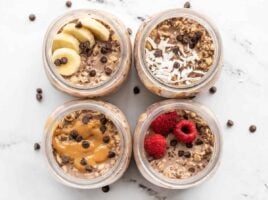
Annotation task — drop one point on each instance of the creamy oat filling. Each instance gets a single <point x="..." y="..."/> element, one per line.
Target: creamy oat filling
<point x="86" y="144"/>
<point x="86" y="52"/>
<point x="184" y="144"/>
<point x="179" y="51"/>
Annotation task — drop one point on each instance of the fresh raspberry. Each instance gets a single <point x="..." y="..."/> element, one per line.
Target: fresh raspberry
<point x="185" y="131"/>
<point x="165" y="123"/>
<point x="155" y="145"/>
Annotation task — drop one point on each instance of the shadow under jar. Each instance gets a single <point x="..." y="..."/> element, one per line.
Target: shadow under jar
<point x="87" y="144"/>
<point x="87" y="53"/>
<point x="178" y="53"/>
<point x="177" y="144"/>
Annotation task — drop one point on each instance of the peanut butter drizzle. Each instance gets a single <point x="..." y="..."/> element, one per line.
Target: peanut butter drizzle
<point x="97" y="151"/>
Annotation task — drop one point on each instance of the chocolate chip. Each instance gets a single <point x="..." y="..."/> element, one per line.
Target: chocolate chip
<point x="179" y="38"/>
<point x="85" y="144"/>
<point x="106" y="139"/>
<point x="187" y="154"/>
<point x="105" y="188"/>
<point x="64" y="60"/>
<point x="173" y="142"/>
<point x="180" y="153"/>
<point x="39" y="90"/>
<point x="32" y="17"/>
<point x="103" y="129"/>
<point x="86" y="118"/>
<point x="73" y="135"/>
<point x="108" y="71"/>
<point x="103" y="119"/>
<point x="213" y="90"/>
<point x="198" y="35"/>
<point x="191" y="169"/>
<point x="83" y="161"/>
<point x="104" y="50"/>
<point x="176" y="65"/>
<point x="185" y="39"/>
<point x="141" y="18"/>
<point x="63" y="138"/>
<point x="89" y="52"/>
<point x="136" y="90"/>
<point x="65" y="159"/>
<point x="57" y="62"/>
<point x="36" y="146"/>
<point x="103" y="60"/>
<point x="111" y="154"/>
<point x="252" y="128"/>
<point x="158" y="53"/>
<point x="198" y="142"/>
<point x="192" y="44"/>
<point x="79" y="25"/>
<point x="189" y="145"/>
<point x="176" y="50"/>
<point x="79" y="138"/>
<point x="68" y="4"/>
<point x="88" y="168"/>
<point x="39" y="97"/>
<point x="187" y="4"/>
<point x="230" y="123"/>
<point x="129" y="31"/>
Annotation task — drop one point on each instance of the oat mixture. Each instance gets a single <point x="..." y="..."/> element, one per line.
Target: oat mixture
<point x="86" y="144"/>
<point x="179" y="51"/>
<point x="183" y="160"/>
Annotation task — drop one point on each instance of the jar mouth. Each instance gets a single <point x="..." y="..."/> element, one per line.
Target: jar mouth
<point x="157" y="178"/>
<point x="66" y="178"/>
<point x="58" y="23"/>
<point x="190" y="14"/>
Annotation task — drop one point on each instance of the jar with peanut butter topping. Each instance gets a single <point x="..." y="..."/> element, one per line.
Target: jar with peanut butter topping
<point x="87" y="143"/>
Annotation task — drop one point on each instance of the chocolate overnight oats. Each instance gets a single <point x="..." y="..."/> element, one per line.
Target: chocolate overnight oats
<point x="179" y="51"/>
<point x="86" y="144"/>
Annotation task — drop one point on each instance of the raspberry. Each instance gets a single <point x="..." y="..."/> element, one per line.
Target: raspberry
<point x="185" y="131"/>
<point x="165" y="123"/>
<point x="155" y="145"/>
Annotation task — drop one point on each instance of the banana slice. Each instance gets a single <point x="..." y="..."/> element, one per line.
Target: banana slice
<point x="63" y="40"/>
<point x="73" y="61"/>
<point x="97" y="28"/>
<point x="82" y="34"/>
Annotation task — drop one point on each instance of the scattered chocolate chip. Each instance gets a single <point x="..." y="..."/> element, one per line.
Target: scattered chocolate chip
<point x="189" y="145"/>
<point x="105" y="188"/>
<point x="176" y="65"/>
<point x="65" y="159"/>
<point x="79" y="138"/>
<point x="252" y="128"/>
<point x="68" y="4"/>
<point x="39" y="97"/>
<point x="78" y="25"/>
<point x="106" y="139"/>
<point x="103" y="119"/>
<point x="141" y="18"/>
<point x="179" y="38"/>
<point x="39" y="90"/>
<point x="86" y="119"/>
<point x="103" y="60"/>
<point x="187" y="154"/>
<point x="136" y="90"/>
<point x="103" y="129"/>
<point x="32" y="17"/>
<point x="191" y="169"/>
<point x="185" y="39"/>
<point x="83" y="161"/>
<point x="57" y="62"/>
<point x="213" y="90"/>
<point x="85" y="144"/>
<point x="198" y="142"/>
<point x="129" y="31"/>
<point x="73" y="135"/>
<point x="108" y="71"/>
<point x="180" y="153"/>
<point x="88" y="168"/>
<point x="187" y="4"/>
<point x="158" y="53"/>
<point x="36" y="146"/>
<point x="111" y="154"/>
<point x="230" y="123"/>
<point x="173" y="142"/>
<point x="64" y="60"/>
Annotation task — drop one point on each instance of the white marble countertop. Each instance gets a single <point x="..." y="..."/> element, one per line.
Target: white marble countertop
<point x="241" y="96"/>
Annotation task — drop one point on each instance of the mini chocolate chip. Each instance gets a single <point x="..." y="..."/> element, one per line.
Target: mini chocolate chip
<point x="68" y="4"/>
<point x="176" y="50"/>
<point x="78" y="25"/>
<point x="252" y="128"/>
<point x="32" y="17"/>
<point x="189" y="145"/>
<point x="79" y="138"/>
<point x="230" y="123"/>
<point x="198" y="35"/>
<point x="104" y="50"/>
<point x="198" y="142"/>
<point x="187" y="154"/>
<point x="103" y="129"/>
<point x="192" y="45"/>
<point x="129" y="31"/>
<point x="141" y="18"/>
<point x="173" y="142"/>
<point x="36" y="146"/>
<point x="57" y="62"/>
<point x="187" y="4"/>
<point x="83" y="161"/>
<point x="39" y="97"/>
<point x="179" y="38"/>
<point x="106" y="139"/>
<point x="213" y="90"/>
<point x="158" y="53"/>
<point x="88" y="168"/>
<point x="108" y="46"/>
<point x="86" y="118"/>
<point x="185" y="39"/>
<point x="105" y="188"/>
<point x="108" y="71"/>
<point x="89" y="52"/>
<point x="103" y="60"/>
<point x="136" y="90"/>
<point x="85" y="144"/>
<point x="111" y="154"/>
<point x="103" y="119"/>
<point x="65" y="159"/>
<point x="73" y="135"/>
<point x="39" y="90"/>
<point x="176" y="65"/>
<point x="180" y="153"/>
<point x="64" y="60"/>
<point x="191" y="169"/>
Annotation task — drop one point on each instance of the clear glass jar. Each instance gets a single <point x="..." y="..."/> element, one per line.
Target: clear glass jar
<point x="143" y="124"/>
<point x="165" y="90"/>
<point x="119" y="120"/>
<point x="104" y="88"/>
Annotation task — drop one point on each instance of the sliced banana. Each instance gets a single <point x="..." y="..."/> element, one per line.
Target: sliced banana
<point x="63" y="40"/>
<point x="97" y="28"/>
<point x="82" y="34"/>
<point x="73" y="61"/>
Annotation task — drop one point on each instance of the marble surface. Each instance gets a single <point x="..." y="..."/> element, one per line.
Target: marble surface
<point x="241" y="96"/>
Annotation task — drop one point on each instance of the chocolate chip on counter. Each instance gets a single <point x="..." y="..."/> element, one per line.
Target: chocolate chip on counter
<point x="191" y="169"/>
<point x="105" y="188"/>
<point x="136" y="90"/>
<point x="73" y="135"/>
<point x="106" y="139"/>
<point x="179" y="38"/>
<point x="32" y="17"/>
<point x="39" y="90"/>
<point x="176" y="65"/>
<point x="57" y="62"/>
<point x="108" y="71"/>
<point x="187" y="4"/>
<point x="103" y="60"/>
<point x="86" y="119"/>
<point x="180" y="153"/>
<point x="103" y="129"/>
<point x="65" y="159"/>
<point x="187" y="154"/>
<point x="129" y="31"/>
<point x="39" y="97"/>
<point x="85" y="144"/>
<point x="36" y="146"/>
<point x="79" y="138"/>
<point x="173" y="142"/>
<point x="83" y="161"/>
<point x="252" y="128"/>
<point x="111" y="154"/>
<point x="198" y="142"/>
<point x="158" y="53"/>
<point x="64" y="60"/>
<point x="141" y="18"/>
<point x="88" y="168"/>
<point x="230" y="123"/>
<point x="68" y="4"/>
<point x="213" y="90"/>
<point x="189" y="145"/>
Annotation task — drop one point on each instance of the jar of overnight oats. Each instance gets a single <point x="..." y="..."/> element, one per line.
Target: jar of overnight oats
<point x="178" y="53"/>
<point x="87" y="143"/>
<point x="177" y="144"/>
<point x="87" y="53"/>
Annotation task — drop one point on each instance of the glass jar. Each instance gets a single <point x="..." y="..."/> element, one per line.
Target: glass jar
<point x="159" y="87"/>
<point x="143" y="124"/>
<point x="118" y="119"/>
<point x="105" y="87"/>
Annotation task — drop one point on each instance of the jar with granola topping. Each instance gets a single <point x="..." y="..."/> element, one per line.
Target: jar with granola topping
<point x="178" y="53"/>
<point x="87" y="143"/>
<point x="177" y="144"/>
<point x="87" y="53"/>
